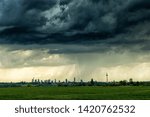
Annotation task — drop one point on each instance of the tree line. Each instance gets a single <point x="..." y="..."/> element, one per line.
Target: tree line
<point x="92" y="82"/>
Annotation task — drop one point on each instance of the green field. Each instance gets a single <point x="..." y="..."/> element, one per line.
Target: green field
<point x="76" y="93"/>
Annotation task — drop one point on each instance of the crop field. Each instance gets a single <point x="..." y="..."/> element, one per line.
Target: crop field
<point x="76" y="93"/>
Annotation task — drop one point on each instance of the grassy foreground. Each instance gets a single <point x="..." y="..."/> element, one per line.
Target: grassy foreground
<point x="76" y="93"/>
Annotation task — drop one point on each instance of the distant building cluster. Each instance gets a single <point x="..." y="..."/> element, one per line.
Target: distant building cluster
<point x="69" y="83"/>
<point x="66" y="82"/>
<point x="37" y="82"/>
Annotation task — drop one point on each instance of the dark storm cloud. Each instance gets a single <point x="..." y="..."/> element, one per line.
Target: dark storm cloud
<point x="23" y="12"/>
<point x="39" y="4"/>
<point x="107" y="22"/>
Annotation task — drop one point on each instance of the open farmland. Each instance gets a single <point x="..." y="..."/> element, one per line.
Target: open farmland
<point x="76" y="93"/>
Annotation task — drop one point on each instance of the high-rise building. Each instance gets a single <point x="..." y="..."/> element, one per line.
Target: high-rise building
<point x="106" y="77"/>
<point x="74" y="80"/>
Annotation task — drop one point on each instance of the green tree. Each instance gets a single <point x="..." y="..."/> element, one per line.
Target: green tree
<point x="123" y="83"/>
<point x="92" y="82"/>
<point x="131" y="81"/>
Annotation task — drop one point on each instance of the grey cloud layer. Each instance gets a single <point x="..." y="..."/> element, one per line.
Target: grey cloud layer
<point x="111" y="23"/>
<point x="23" y="13"/>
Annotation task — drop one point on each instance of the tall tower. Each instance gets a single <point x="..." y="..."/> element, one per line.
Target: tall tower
<point x="33" y="80"/>
<point x="106" y="77"/>
<point x="74" y="80"/>
<point x="66" y="81"/>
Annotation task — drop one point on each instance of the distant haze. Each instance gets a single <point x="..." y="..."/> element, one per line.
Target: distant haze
<point x="59" y="39"/>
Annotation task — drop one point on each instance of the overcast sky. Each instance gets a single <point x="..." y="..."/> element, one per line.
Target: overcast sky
<point x="74" y="38"/>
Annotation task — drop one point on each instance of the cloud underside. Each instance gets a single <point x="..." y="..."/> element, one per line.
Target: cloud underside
<point x="105" y="23"/>
<point x="74" y="37"/>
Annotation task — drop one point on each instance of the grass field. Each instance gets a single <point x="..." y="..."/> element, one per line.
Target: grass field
<point x="76" y="93"/>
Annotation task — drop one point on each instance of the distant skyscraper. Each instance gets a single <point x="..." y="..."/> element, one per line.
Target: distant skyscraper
<point x="33" y="80"/>
<point x="106" y="77"/>
<point x="66" y="81"/>
<point x="74" y="79"/>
